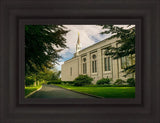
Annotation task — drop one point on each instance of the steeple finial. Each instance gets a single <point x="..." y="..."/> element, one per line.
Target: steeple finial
<point x="78" y="41"/>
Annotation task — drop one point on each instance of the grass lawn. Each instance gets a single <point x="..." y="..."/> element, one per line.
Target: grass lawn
<point x="106" y="92"/>
<point x="29" y="90"/>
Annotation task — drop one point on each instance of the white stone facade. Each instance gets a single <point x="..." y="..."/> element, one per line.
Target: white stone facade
<point x="93" y="62"/>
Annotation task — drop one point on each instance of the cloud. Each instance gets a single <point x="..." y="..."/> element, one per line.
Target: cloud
<point x="58" y="67"/>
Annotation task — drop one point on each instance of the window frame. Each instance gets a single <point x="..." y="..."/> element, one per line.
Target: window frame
<point x="94" y="63"/>
<point x="84" y="65"/>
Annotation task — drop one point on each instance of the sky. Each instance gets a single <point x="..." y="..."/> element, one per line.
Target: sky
<point x="89" y="35"/>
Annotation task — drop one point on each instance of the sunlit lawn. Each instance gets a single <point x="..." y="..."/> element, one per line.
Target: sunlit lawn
<point x="29" y="90"/>
<point x="106" y="92"/>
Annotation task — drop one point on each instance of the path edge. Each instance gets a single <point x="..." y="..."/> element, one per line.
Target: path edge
<point x="80" y="92"/>
<point x="33" y="92"/>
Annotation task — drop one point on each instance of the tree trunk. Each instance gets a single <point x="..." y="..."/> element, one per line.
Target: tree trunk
<point x="35" y="83"/>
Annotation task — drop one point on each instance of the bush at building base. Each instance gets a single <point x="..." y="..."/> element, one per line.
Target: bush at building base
<point x="119" y="82"/>
<point x="103" y="81"/>
<point x="131" y="82"/>
<point x="82" y="80"/>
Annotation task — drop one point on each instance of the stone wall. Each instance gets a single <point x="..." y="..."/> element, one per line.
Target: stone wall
<point x="69" y="70"/>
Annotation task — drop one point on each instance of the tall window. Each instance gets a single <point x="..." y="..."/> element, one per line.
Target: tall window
<point x="94" y="64"/>
<point x="107" y="64"/>
<point x="71" y="71"/>
<point x="84" y="66"/>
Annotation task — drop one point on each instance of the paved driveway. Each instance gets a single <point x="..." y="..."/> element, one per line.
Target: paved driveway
<point x="51" y="91"/>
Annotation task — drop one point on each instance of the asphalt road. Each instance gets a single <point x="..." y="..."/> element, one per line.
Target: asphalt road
<point x="51" y="91"/>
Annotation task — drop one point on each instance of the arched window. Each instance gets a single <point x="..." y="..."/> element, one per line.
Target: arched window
<point x="84" y="66"/>
<point x="94" y="64"/>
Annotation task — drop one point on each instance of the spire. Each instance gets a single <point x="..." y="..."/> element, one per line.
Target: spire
<point x="78" y="41"/>
<point x="78" y="46"/>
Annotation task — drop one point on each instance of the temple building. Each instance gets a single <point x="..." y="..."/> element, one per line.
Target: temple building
<point x="93" y="62"/>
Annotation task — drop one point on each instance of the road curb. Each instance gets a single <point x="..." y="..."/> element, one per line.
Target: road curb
<point x="80" y="92"/>
<point x="33" y="92"/>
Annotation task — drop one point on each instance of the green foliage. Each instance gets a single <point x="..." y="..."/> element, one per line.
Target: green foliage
<point x="131" y="82"/>
<point x="82" y="80"/>
<point x="125" y="44"/>
<point x="109" y="85"/>
<point x="68" y="82"/>
<point x="29" y="80"/>
<point x="29" y="90"/>
<point x="103" y="81"/>
<point x="56" y="75"/>
<point x="42" y="82"/>
<point x="106" y="92"/>
<point x="54" y="82"/>
<point x="119" y="82"/>
<point x="61" y="82"/>
<point x="40" y="43"/>
<point x="48" y="75"/>
<point x="42" y="77"/>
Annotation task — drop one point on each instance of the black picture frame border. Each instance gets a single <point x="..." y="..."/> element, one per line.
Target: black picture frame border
<point x="31" y="21"/>
<point x="13" y="110"/>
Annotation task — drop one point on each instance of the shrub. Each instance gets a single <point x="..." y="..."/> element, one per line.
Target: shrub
<point x="54" y="82"/>
<point x="29" y="80"/>
<point x="82" y="80"/>
<point x="103" y="81"/>
<point x="109" y="85"/>
<point x="68" y="82"/>
<point x="60" y="82"/>
<point x="131" y="81"/>
<point x="42" y="82"/>
<point x="119" y="82"/>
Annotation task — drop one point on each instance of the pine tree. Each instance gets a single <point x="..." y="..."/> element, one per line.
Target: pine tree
<point x="41" y="43"/>
<point x="125" y="44"/>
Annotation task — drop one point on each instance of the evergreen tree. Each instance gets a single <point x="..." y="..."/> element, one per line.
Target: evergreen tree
<point x="41" y="43"/>
<point x="125" y="44"/>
